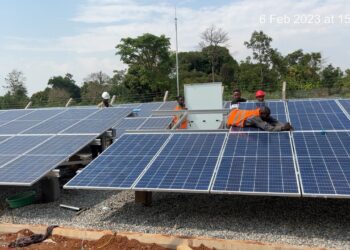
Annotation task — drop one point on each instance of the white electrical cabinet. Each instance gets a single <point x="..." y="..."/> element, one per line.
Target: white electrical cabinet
<point x="204" y="96"/>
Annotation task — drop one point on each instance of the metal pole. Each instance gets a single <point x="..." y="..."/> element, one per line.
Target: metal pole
<point x="177" y="57"/>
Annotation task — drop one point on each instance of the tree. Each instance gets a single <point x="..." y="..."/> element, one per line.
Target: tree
<point x="212" y="38"/>
<point x="65" y="83"/>
<point x="148" y="58"/>
<point x="15" y="84"/>
<point x="260" y="43"/>
<point x="91" y="92"/>
<point x="98" y="77"/>
<point x="58" y="97"/>
<point x="331" y="76"/>
<point x="40" y="98"/>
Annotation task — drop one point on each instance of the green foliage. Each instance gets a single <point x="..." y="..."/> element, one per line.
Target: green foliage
<point x="148" y="58"/>
<point x="65" y="83"/>
<point x="40" y="98"/>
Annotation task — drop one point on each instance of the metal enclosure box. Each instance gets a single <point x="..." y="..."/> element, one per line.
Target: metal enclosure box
<point x="203" y="96"/>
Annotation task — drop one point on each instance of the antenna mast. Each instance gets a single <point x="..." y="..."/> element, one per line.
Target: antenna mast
<point x="177" y="57"/>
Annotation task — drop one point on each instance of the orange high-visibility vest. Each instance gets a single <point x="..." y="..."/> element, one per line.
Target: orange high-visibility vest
<point x="176" y="118"/>
<point x="237" y="117"/>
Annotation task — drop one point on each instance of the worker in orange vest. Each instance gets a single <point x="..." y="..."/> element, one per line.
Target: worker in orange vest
<point x="259" y="117"/>
<point x="180" y="106"/>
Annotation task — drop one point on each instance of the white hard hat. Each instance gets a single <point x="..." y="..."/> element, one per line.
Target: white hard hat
<point x="105" y="95"/>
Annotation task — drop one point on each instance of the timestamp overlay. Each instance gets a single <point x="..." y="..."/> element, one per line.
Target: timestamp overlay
<point x="304" y="19"/>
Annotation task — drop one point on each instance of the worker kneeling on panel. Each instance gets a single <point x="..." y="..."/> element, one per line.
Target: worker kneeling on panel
<point x="259" y="118"/>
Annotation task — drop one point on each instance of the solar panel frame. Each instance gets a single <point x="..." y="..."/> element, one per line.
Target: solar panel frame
<point x="161" y="155"/>
<point x="224" y="157"/>
<point x="333" y="161"/>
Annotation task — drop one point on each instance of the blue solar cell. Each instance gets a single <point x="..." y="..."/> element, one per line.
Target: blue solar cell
<point x="76" y="113"/>
<point x="346" y="105"/>
<point x="137" y="144"/>
<point x="17" y="126"/>
<point x="13" y="114"/>
<point x="52" y="126"/>
<point x="318" y="121"/>
<point x="313" y="107"/>
<point x="121" y="164"/>
<point x="128" y="124"/>
<point x="168" y="105"/>
<point x="40" y="115"/>
<point x="147" y="108"/>
<point x="186" y="163"/>
<point x="258" y="145"/>
<point x="324" y="160"/>
<point x="62" y="145"/>
<point x="157" y="123"/>
<point x="276" y="107"/>
<point x="26" y="170"/>
<point x="257" y="163"/>
<point x="111" y="172"/>
<point x="99" y="122"/>
<point x="20" y="144"/>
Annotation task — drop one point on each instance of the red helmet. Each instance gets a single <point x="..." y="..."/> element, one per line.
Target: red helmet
<point x="259" y="93"/>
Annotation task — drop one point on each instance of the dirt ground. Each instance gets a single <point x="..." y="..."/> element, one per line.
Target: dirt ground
<point x="57" y="242"/>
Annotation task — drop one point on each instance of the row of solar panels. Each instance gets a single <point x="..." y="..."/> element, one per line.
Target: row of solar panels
<point x="309" y="115"/>
<point x="284" y="164"/>
<point x="35" y="141"/>
<point x="71" y="121"/>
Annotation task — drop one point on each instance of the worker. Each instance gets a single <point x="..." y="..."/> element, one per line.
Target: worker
<point x="259" y="118"/>
<point x="97" y="149"/>
<point x="236" y="98"/>
<point x="180" y="106"/>
<point x="105" y="100"/>
<point x="260" y="96"/>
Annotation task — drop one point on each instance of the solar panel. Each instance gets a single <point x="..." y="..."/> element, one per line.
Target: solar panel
<point x="65" y="145"/>
<point x="128" y="124"/>
<point x="147" y="108"/>
<point x="52" y="126"/>
<point x="10" y="115"/>
<point x="17" y="126"/>
<point x="257" y="163"/>
<point x="157" y="123"/>
<point x="186" y="163"/>
<point x="121" y="164"/>
<point x="99" y="122"/>
<point x="317" y="115"/>
<point x="346" y="105"/>
<point x="324" y="160"/>
<point x="26" y="170"/>
<point x="20" y="144"/>
<point x="40" y="115"/>
<point x="168" y="105"/>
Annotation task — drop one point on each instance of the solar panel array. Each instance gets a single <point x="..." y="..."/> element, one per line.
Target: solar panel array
<point x="317" y="115"/>
<point x="33" y="142"/>
<point x="311" y="161"/>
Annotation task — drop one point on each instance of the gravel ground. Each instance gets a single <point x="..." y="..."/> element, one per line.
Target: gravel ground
<point x="308" y="222"/>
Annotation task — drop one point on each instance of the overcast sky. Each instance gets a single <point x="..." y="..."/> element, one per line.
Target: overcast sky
<point x="44" y="38"/>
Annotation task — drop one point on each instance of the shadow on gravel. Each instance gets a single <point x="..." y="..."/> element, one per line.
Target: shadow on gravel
<point x="47" y="213"/>
<point x="325" y="218"/>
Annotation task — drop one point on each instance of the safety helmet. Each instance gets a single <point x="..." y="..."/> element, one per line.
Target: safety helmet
<point x="105" y="95"/>
<point x="259" y="93"/>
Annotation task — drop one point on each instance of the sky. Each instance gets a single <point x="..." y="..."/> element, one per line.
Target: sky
<point x="45" y="38"/>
